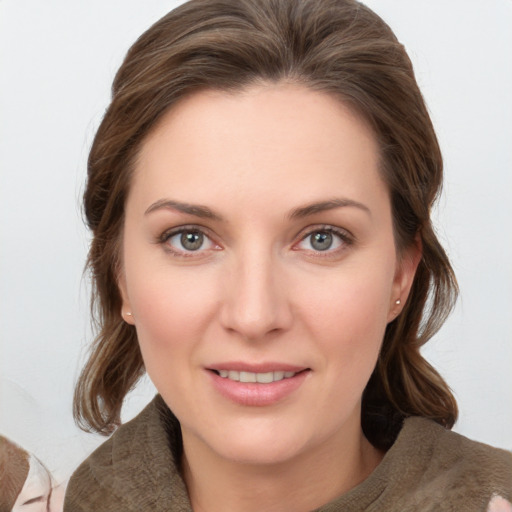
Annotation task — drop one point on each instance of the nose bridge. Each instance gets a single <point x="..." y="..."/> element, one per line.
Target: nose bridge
<point x="255" y="302"/>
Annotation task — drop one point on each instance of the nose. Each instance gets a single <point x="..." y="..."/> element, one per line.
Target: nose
<point x="255" y="298"/>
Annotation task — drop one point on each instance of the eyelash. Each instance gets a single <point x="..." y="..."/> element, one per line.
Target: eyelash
<point x="346" y="240"/>
<point x="167" y="235"/>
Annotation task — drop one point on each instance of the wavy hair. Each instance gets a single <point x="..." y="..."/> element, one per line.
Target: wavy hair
<point x="338" y="47"/>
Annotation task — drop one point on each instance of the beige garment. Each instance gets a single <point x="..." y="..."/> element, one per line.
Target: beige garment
<point x="428" y="468"/>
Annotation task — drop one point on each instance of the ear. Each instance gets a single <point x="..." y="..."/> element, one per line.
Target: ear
<point x="405" y="271"/>
<point x="126" y="308"/>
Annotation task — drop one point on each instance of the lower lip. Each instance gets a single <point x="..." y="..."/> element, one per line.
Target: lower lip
<point x="255" y="394"/>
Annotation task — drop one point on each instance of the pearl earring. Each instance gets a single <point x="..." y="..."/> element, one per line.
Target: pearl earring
<point x="398" y="302"/>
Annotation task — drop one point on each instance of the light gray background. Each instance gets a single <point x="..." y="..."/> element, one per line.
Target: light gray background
<point x="57" y="60"/>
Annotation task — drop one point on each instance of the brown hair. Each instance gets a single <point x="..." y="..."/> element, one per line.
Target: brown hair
<point x="14" y="468"/>
<point x="339" y="47"/>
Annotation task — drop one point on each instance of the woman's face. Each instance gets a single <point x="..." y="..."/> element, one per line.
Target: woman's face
<point x="258" y="246"/>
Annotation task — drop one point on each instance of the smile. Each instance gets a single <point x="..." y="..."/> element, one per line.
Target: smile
<point x="263" y="386"/>
<point x="261" y="378"/>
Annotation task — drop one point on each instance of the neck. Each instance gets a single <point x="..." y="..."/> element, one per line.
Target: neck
<point x="309" y="480"/>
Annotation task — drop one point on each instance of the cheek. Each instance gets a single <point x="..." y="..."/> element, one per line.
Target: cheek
<point x="172" y="310"/>
<point x="348" y="317"/>
<point x="353" y="329"/>
<point x="350" y="303"/>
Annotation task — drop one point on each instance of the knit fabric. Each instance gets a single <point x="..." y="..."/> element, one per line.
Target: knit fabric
<point x="428" y="468"/>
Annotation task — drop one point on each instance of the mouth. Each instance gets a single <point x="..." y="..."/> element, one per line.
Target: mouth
<point x="253" y="377"/>
<point x="257" y="384"/>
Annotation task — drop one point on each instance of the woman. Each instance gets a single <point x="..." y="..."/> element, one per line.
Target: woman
<point x="259" y="194"/>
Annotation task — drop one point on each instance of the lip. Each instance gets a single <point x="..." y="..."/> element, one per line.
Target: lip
<point x="241" y="366"/>
<point x="255" y="394"/>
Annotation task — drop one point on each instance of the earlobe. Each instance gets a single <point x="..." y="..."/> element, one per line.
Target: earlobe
<point x="404" y="277"/>
<point x="127" y="316"/>
<point x="126" y="310"/>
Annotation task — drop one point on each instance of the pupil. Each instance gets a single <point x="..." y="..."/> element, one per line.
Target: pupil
<point x="192" y="241"/>
<point x="321" y="241"/>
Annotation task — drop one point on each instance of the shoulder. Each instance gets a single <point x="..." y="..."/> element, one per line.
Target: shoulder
<point x="448" y="449"/>
<point x="456" y="472"/>
<point x="127" y="471"/>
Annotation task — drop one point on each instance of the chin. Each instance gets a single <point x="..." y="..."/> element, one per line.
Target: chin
<point x="263" y="445"/>
<point x="261" y="453"/>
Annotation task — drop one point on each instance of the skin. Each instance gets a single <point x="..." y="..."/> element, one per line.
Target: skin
<point x="499" y="504"/>
<point x="258" y="290"/>
<point x="36" y="492"/>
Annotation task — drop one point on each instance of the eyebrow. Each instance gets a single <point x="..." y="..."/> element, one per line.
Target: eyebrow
<point x="204" y="212"/>
<point x="191" y="209"/>
<point x="331" y="204"/>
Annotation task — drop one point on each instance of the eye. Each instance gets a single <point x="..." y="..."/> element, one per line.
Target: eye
<point x="190" y="240"/>
<point x="328" y="239"/>
<point x="321" y="241"/>
<point x="184" y="241"/>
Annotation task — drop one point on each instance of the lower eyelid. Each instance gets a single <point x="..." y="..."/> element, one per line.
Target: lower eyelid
<point x="343" y="236"/>
<point x="345" y="240"/>
<point x="169" y="234"/>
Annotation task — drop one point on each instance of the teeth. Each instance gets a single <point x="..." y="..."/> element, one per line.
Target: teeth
<point x="247" y="377"/>
<point x="262" y="378"/>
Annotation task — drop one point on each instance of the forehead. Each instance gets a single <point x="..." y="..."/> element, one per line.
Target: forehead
<point x="258" y="139"/>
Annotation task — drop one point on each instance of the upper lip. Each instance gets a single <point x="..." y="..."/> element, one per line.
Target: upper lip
<point x="257" y="367"/>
